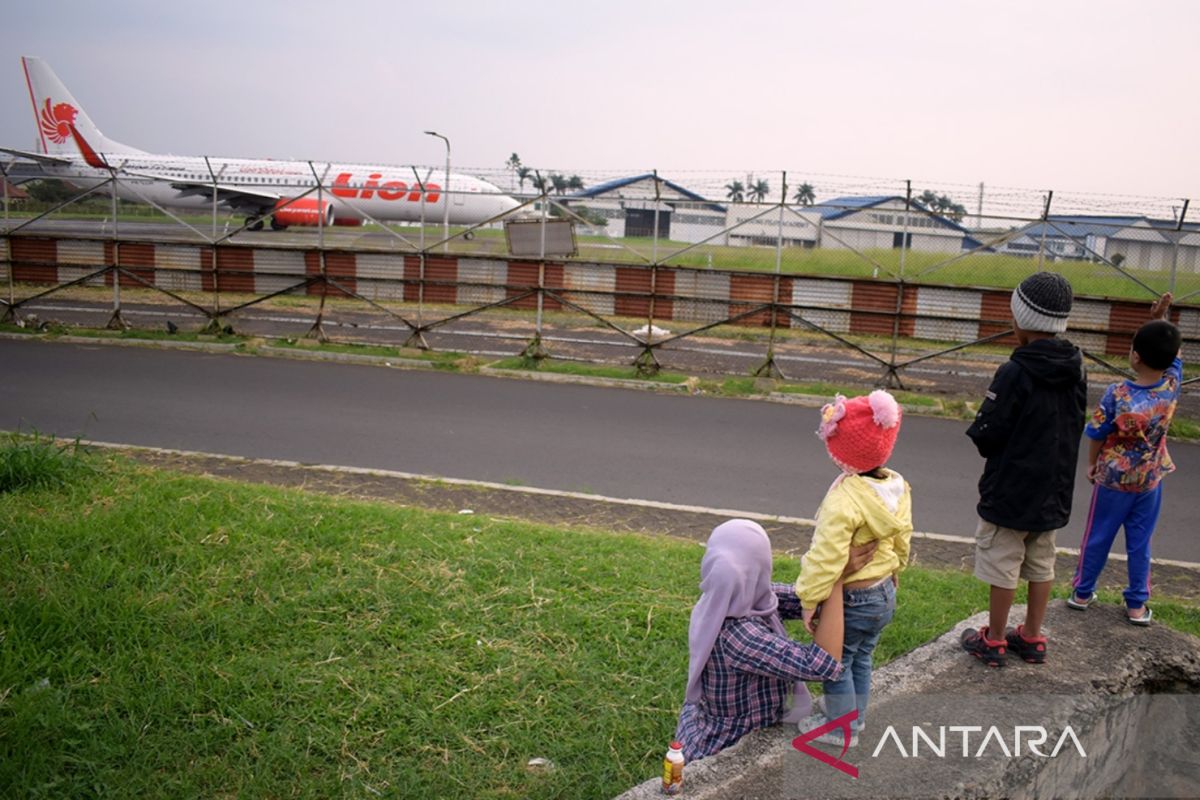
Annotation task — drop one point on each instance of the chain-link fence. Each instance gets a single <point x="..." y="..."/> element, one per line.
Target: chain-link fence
<point x="897" y="276"/>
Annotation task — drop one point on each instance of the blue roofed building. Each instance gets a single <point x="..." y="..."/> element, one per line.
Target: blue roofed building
<point x="878" y="222"/>
<point x="1137" y="242"/>
<point x="633" y="206"/>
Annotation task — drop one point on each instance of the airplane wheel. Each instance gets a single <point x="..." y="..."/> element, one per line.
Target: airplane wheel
<point x="276" y="225"/>
<point x="469" y="235"/>
<point x="256" y="225"/>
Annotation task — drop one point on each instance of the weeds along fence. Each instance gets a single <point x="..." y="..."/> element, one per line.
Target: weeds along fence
<point x="897" y="278"/>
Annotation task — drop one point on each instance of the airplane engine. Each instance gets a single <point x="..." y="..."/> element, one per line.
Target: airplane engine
<point x="305" y="211"/>
<point x="348" y="222"/>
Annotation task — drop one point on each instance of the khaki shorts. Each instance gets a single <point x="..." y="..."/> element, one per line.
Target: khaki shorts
<point x="1003" y="555"/>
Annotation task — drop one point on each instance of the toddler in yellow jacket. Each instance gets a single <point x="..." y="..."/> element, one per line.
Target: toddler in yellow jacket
<point x="867" y="503"/>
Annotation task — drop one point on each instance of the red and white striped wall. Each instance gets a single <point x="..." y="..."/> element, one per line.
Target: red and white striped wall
<point x="688" y="295"/>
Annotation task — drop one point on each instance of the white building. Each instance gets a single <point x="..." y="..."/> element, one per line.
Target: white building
<point x="629" y="207"/>
<point x="1136" y="242"/>
<point x="632" y="206"/>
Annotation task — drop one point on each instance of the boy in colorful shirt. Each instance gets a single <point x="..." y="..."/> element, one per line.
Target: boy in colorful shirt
<point x="1127" y="460"/>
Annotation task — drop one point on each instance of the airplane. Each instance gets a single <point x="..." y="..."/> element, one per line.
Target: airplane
<point x="72" y="148"/>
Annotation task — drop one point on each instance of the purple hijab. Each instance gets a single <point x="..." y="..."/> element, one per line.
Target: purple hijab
<point x="735" y="581"/>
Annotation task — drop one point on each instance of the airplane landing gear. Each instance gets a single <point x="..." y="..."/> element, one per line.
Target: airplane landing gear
<point x="276" y="225"/>
<point x="254" y="223"/>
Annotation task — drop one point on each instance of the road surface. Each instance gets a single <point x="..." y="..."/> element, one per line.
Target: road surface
<point x="713" y="452"/>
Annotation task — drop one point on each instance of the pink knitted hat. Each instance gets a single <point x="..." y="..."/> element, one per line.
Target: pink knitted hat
<point x="860" y="433"/>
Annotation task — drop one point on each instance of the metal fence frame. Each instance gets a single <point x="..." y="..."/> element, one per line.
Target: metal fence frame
<point x="323" y="281"/>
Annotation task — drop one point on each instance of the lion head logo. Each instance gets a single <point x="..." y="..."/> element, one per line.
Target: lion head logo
<point x="57" y="121"/>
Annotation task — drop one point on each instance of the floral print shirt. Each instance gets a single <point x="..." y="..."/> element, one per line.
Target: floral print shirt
<point x="1132" y="421"/>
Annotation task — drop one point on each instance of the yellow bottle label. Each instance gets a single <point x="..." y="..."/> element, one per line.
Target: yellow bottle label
<point x="672" y="776"/>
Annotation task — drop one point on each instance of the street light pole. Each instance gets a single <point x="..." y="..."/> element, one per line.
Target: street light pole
<point x="445" y="195"/>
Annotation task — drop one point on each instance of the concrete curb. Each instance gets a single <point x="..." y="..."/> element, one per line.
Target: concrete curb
<point x="154" y="344"/>
<point x="1128" y="694"/>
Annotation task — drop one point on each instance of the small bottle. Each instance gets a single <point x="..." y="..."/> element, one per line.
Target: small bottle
<point x="673" y="769"/>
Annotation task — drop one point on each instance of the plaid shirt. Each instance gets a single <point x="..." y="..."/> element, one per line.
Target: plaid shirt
<point x="747" y="679"/>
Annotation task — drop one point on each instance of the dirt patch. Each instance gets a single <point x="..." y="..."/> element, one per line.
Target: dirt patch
<point x="571" y="511"/>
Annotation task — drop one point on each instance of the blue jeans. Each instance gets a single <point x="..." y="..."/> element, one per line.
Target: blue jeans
<point x="867" y="612"/>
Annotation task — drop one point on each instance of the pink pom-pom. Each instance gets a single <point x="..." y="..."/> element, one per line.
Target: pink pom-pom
<point x="884" y="409"/>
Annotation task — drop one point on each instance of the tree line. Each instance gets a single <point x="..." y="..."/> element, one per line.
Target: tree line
<point x="550" y="182"/>
<point x="754" y="190"/>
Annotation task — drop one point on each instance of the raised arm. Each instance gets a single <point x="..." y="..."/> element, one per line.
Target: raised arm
<point x="1162" y="306"/>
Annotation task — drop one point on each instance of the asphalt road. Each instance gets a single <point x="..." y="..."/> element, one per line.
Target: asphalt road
<point x="713" y="452"/>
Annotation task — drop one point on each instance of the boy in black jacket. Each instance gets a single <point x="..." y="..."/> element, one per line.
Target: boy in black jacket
<point x="1028" y="428"/>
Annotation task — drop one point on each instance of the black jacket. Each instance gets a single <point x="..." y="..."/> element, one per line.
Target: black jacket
<point x="1028" y="429"/>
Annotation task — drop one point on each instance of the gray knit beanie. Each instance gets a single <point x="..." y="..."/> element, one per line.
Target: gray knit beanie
<point x="1042" y="303"/>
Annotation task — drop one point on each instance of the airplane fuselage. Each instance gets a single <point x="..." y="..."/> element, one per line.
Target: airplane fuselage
<point x="385" y="194"/>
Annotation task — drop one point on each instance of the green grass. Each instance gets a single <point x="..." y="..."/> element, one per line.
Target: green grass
<point x="588" y="370"/>
<point x="170" y="636"/>
<point x="1184" y="429"/>
<point x="725" y="387"/>
<point x="441" y="358"/>
<point x="34" y="460"/>
<point x="831" y="389"/>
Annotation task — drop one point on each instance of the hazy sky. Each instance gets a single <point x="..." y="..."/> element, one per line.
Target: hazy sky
<point x="1097" y="97"/>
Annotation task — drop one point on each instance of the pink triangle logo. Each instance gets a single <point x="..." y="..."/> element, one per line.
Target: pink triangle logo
<point x="842" y="723"/>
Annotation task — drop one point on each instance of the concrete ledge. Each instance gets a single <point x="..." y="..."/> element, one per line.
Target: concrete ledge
<point x="1128" y="694"/>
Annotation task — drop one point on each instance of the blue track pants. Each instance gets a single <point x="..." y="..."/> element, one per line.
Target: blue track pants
<point x="1138" y="513"/>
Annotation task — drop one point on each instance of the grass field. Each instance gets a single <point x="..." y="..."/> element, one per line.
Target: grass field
<point x="164" y="636"/>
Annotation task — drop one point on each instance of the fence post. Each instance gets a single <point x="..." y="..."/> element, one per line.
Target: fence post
<point x="657" y="196"/>
<point x="1175" y="250"/>
<point x="418" y="336"/>
<point x="892" y="378"/>
<point x="542" y="260"/>
<point x="535" y="351"/>
<point x="116" y="322"/>
<point x="904" y="230"/>
<point x="1045" y="225"/>
<point x="769" y="368"/>
<point x="12" y="297"/>
<point x="647" y="361"/>
<point x="317" y="330"/>
<point x="214" y="320"/>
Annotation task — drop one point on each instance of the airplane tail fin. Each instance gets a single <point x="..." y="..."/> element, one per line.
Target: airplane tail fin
<point x="60" y="119"/>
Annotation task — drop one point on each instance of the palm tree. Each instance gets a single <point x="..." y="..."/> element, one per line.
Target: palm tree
<point x="559" y="182"/>
<point x="758" y="191"/>
<point x="805" y="195"/>
<point x="735" y="191"/>
<point x="523" y="174"/>
<point x="929" y="199"/>
<point x="942" y="204"/>
<point x="575" y="183"/>
<point x="949" y="208"/>
<point x="539" y="182"/>
<point x="513" y="163"/>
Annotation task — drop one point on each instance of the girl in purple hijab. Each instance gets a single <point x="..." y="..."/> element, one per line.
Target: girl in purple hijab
<point x="743" y="667"/>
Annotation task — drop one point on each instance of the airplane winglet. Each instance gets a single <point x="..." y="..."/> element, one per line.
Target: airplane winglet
<point x="92" y="158"/>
